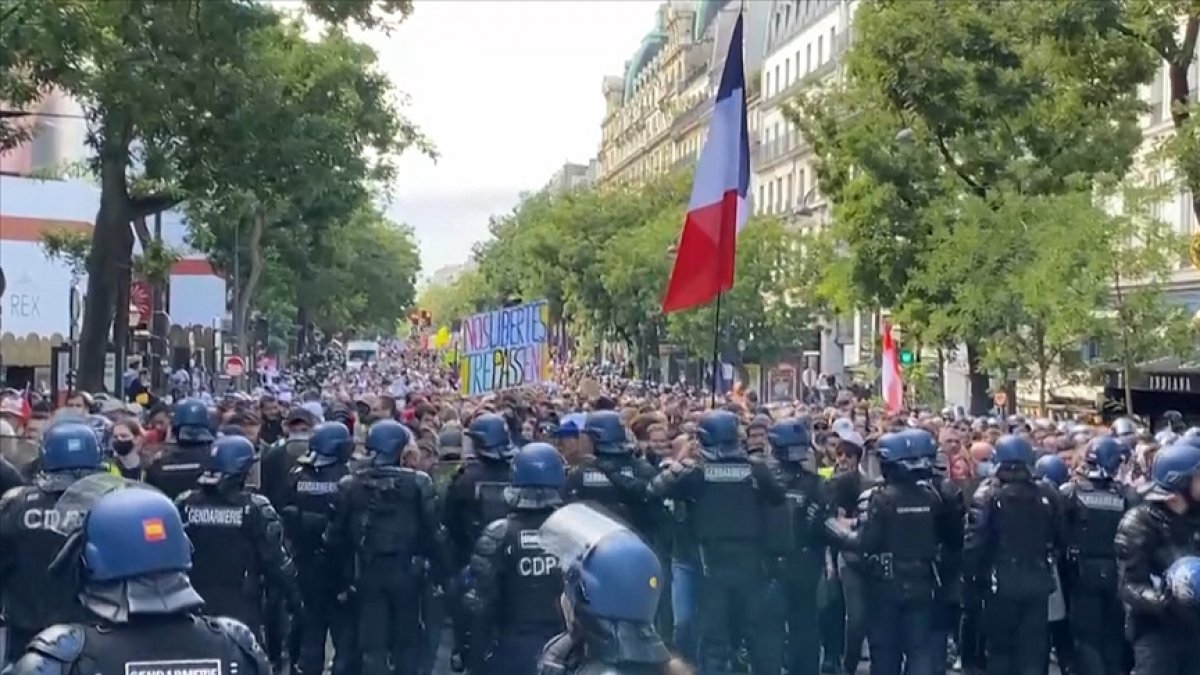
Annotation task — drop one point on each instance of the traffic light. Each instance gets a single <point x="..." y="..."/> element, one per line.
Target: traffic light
<point x="907" y="357"/>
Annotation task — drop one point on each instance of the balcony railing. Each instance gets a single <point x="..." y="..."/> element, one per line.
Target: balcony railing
<point x="778" y="148"/>
<point x="800" y="83"/>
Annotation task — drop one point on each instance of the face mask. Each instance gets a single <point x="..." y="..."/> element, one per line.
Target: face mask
<point x="983" y="469"/>
<point x="122" y="447"/>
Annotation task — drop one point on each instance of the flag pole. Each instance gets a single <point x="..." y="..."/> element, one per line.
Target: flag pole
<point x="716" y="360"/>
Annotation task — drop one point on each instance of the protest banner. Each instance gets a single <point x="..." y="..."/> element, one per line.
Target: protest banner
<point x="505" y="348"/>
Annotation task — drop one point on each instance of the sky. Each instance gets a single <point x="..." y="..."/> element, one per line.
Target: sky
<point x="508" y="91"/>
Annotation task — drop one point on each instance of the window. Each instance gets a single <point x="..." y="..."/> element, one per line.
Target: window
<point x="787" y="72"/>
<point x="820" y="50"/>
<point x="832" y="41"/>
<point x="1156" y="96"/>
<point x="758" y="205"/>
<point x="778" y="82"/>
<point x="1186" y="216"/>
<point x="802" y="183"/>
<point x="778" y="195"/>
<point x="767" y="208"/>
<point x="808" y="59"/>
<point x="788" y="191"/>
<point x="767" y="84"/>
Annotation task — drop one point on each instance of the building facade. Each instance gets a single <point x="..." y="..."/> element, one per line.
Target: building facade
<point x="656" y="111"/>
<point x="571" y="177"/>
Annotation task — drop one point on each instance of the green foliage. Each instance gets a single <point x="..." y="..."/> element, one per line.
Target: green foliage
<point x="962" y="164"/>
<point x="68" y="246"/>
<point x="273" y="140"/>
<point x="601" y="259"/>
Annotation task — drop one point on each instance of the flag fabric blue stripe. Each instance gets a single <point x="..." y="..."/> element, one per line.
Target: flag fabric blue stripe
<point x="724" y="162"/>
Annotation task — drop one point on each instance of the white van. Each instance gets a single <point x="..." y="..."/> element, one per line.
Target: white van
<point x="359" y="352"/>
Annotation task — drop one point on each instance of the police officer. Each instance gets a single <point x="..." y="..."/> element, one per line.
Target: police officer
<point x="947" y="606"/>
<point x="1014" y="532"/>
<point x="515" y="584"/>
<point x="613" y="477"/>
<point x="609" y="598"/>
<point x="384" y="518"/>
<point x="798" y="560"/>
<point x="272" y="481"/>
<point x="1052" y="469"/>
<point x="475" y="498"/>
<point x="898" y="533"/>
<point x="307" y="508"/>
<point x="31" y="534"/>
<point x="279" y="458"/>
<point x="237" y="538"/>
<point x="1093" y="506"/>
<point x="1150" y="538"/>
<point x="181" y="463"/>
<point x="727" y="496"/>
<point x="132" y="558"/>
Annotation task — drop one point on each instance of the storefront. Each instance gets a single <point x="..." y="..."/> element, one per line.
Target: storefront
<point x="36" y="295"/>
<point x="1156" y="387"/>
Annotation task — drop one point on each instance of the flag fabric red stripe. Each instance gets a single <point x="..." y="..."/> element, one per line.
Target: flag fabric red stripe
<point x="892" y="381"/>
<point x="704" y="263"/>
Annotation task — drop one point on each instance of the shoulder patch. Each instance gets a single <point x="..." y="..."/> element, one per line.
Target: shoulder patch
<point x="63" y="642"/>
<point x="240" y="635"/>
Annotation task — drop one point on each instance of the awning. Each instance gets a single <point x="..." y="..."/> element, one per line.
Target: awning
<point x="1171" y="375"/>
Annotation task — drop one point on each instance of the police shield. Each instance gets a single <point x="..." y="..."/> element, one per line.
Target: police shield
<point x="67" y="516"/>
<point x="571" y="531"/>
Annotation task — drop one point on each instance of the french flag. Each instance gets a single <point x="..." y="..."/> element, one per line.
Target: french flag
<point x="718" y="208"/>
<point x="893" y="380"/>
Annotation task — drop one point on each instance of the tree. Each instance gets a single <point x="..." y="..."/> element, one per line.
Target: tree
<point x="153" y="79"/>
<point x="316" y="130"/>
<point x="936" y="136"/>
<point x="1170" y="29"/>
<point x="455" y="300"/>
<point x="1141" y="255"/>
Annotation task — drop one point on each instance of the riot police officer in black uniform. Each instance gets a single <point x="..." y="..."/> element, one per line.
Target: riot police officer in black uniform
<point x="385" y="517"/>
<point x="1093" y="506"/>
<point x="237" y="538"/>
<point x="475" y="498"/>
<point x="951" y="516"/>
<point x="279" y="458"/>
<point x="1014" y="534"/>
<point x="611" y="586"/>
<point x="307" y="509"/>
<point x="899" y="535"/>
<point x="132" y="556"/>
<point x="613" y="477"/>
<point x="1151" y="537"/>
<point x="31" y="534"/>
<point x="795" y="545"/>
<point x="727" y="496"/>
<point x="181" y="463"/>
<point x="515" y="584"/>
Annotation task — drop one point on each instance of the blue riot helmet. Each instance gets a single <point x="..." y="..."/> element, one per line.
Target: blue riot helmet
<point x="538" y="475"/>
<point x="791" y="439"/>
<point x="607" y="431"/>
<point x="539" y="465"/>
<point x="386" y="441"/>
<point x="923" y="450"/>
<point x="103" y="428"/>
<point x="1175" y="466"/>
<point x="1104" y="457"/>
<point x="1014" y="450"/>
<point x="190" y="423"/>
<point x="70" y="445"/>
<point x="330" y="443"/>
<point x="1183" y="580"/>
<point x="611" y="579"/>
<point x="229" y="461"/>
<point x="717" y="431"/>
<point x="1051" y="468"/>
<point x="134" y="532"/>
<point x="490" y="437"/>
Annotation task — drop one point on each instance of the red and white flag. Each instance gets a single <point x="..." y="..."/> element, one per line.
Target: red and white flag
<point x="893" y="381"/>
